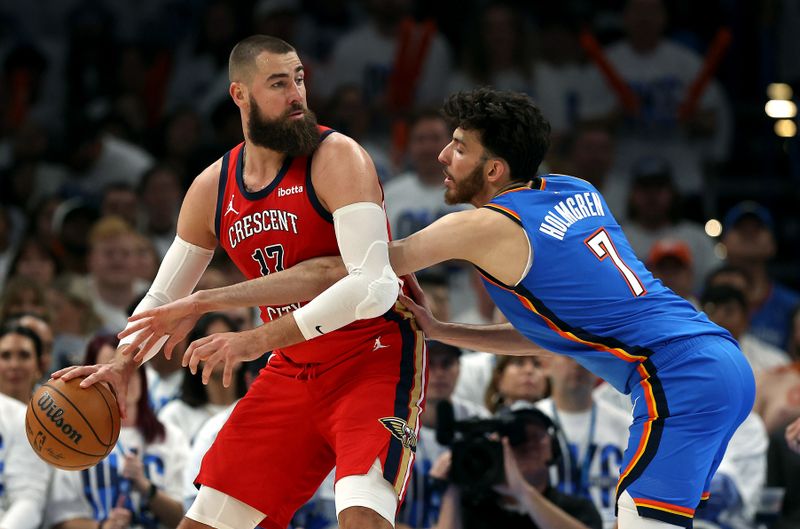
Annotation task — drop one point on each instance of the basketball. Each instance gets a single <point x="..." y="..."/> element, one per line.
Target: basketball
<point x="71" y="427"/>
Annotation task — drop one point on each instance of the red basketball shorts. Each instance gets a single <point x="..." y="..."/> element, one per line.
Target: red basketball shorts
<point x="299" y="420"/>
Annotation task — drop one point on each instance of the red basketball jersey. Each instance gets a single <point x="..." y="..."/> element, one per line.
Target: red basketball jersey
<point x="277" y="227"/>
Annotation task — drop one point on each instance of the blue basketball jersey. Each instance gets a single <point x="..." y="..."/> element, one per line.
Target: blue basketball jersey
<point x="586" y="294"/>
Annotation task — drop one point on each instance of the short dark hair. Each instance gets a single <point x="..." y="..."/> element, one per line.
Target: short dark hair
<point x="722" y="295"/>
<point x="13" y="327"/>
<point x="510" y="126"/>
<point x="245" y="52"/>
<point x="424" y="114"/>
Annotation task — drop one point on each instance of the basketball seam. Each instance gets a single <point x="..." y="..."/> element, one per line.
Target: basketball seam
<point x="55" y="437"/>
<point x="89" y="424"/>
<point x="59" y="464"/>
<point x="111" y="414"/>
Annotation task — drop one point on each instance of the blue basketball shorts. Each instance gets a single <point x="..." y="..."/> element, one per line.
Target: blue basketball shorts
<point x="691" y="397"/>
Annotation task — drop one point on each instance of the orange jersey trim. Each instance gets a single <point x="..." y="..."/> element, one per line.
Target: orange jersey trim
<point x="616" y="351"/>
<point x="663" y="506"/>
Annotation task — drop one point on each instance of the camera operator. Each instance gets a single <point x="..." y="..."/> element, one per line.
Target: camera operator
<point x="525" y="500"/>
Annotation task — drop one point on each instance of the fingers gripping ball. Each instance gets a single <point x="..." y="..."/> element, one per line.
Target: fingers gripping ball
<point x="70" y="427"/>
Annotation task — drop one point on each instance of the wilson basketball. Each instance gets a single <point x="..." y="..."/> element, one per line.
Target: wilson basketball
<point x="71" y="427"/>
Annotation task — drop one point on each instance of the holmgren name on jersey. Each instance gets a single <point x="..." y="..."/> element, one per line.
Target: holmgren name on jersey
<point x="261" y="221"/>
<point x="569" y="211"/>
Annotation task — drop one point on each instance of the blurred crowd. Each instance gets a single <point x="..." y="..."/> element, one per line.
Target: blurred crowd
<point x="109" y="109"/>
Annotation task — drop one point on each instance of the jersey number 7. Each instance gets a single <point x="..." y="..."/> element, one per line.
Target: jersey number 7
<point x="601" y="246"/>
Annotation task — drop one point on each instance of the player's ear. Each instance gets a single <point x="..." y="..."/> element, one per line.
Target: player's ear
<point x="496" y="169"/>
<point x="238" y="93"/>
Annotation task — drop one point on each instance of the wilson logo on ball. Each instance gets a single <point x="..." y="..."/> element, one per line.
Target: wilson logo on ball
<point x="48" y="405"/>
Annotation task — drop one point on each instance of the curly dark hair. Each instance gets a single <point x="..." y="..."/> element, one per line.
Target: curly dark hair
<point x="510" y="126"/>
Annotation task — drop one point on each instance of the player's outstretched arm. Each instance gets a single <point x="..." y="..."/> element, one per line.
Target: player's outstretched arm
<point x="301" y="282"/>
<point x="346" y="184"/>
<point x="499" y="338"/>
<point x="178" y="274"/>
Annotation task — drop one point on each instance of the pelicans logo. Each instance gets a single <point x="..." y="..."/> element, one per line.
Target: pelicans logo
<point x="402" y="431"/>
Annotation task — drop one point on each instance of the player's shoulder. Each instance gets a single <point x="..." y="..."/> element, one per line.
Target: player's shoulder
<point x="209" y="177"/>
<point x="335" y="144"/>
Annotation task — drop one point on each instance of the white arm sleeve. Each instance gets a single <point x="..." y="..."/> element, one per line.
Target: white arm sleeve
<point x="370" y="287"/>
<point x="177" y="276"/>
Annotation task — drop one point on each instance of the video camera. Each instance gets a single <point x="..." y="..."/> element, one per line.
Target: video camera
<point x="477" y="454"/>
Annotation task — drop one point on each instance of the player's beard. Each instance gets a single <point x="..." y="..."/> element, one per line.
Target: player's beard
<point x="464" y="191"/>
<point x="295" y="137"/>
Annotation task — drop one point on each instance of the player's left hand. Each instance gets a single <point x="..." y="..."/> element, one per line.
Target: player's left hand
<point x="230" y="348"/>
<point x="515" y="485"/>
<point x="419" y="306"/>
<point x="175" y="319"/>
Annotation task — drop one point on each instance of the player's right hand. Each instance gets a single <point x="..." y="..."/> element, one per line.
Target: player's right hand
<point x="115" y="374"/>
<point x="175" y="319"/>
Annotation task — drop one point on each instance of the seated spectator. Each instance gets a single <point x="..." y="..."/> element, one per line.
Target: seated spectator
<point x="119" y="199"/>
<point x="146" y="259"/>
<point x="45" y="334"/>
<point x="198" y="402"/>
<point x="74" y="320"/>
<point x="397" y="64"/>
<point x="654" y="213"/>
<point x="526" y="499"/>
<point x="22" y="296"/>
<point x="749" y="239"/>
<point x="98" y="159"/>
<point x="499" y="54"/>
<point x="35" y="261"/>
<point x="594" y="436"/>
<point x="660" y="73"/>
<point x="112" y="279"/>
<point x="160" y="195"/>
<point x="423" y="499"/>
<point x="588" y="152"/>
<point x="516" y="378"/>
<point x="20" y="354"/>
<point x="24" y="478"/>
<point x="727" y="307"/>
<point x="139" y="484"/>
<point x="671" y="262"/>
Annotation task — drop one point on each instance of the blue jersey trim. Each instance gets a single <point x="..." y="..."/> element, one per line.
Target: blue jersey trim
<point x="504" y="211"/>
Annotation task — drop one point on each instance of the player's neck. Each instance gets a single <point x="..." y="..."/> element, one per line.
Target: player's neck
<point x="572" y="402"/>
<point x="260" y="165"/>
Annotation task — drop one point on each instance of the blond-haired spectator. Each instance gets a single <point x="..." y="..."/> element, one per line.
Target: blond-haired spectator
<point x="113" y="285"/>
